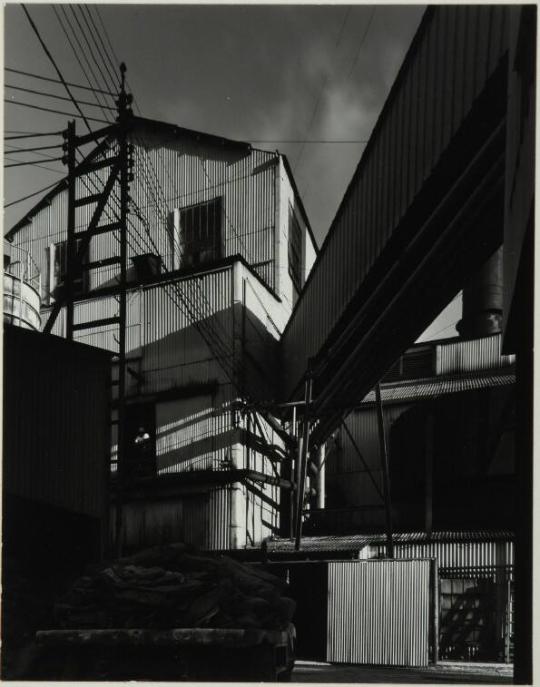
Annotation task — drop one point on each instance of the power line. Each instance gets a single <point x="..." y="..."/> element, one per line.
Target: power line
<point x="13" y="148"/>
<point x="51" y="58"/>
<point x="35" y="164"/>
<point x="115" y="56"/>
<point x="47" y="78"/>
<point x="18" y="151"/>
<point x="83" y="33"/>
<point x="65" y="114"/>
<point x="28" y="134"/>
<point x="30" y="195"/>
<point x="53" y="95"/>
<point x="319" y="98"/>
<point x="95" y="32"/>
<point x="96" y="91"/>
<point x="364" y="36"/>
<point x="30" y="162"/>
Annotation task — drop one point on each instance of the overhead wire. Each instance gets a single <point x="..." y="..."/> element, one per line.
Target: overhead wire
<point x="53" y="62"/>
<point x="47" y="78"/>
<point x="53" y="95"/>
<point x="18" y="150"/>
<point x="30" y="195"/>
<point x="30" y="162"/>
<point x="28" y="134"/>
<point x="86" y="119"/>
<point x="36" y="164"/>
<point x="48" y="109"/>
<point x="98" y="92"/>
<point x="321" y="92"/>
<point x="84" y="35"/>
<point x="95" y="32"/>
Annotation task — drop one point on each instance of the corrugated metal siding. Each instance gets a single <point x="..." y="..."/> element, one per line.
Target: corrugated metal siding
<point x="195" y="433"/>
<point x="359" y="541"/>
<point x="172" y="172"/>
<point x="469" y="356"/>
<point x="456" y="554"/>
<point x="378" y="612"/>
<point x="432" y="388"/>
<point x="56" y="422"/>
<point x="174" y="352"/>
<point x="218" y="535"/>
<point x="395" y="164"/>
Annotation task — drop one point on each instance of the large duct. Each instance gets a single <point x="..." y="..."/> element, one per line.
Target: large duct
<point x="483" y="300"/>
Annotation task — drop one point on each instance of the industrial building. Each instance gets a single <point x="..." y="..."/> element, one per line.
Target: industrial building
<point x="270" y="397"/>
<point x="218" y="260"/>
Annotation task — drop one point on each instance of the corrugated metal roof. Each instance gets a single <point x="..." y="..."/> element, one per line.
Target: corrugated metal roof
<point x="357" y="541"/>
<point x="436" y="386"/>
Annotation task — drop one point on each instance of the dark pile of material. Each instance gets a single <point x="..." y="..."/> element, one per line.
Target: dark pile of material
<point x="174" y="586"/>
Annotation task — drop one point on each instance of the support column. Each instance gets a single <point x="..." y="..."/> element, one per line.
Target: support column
<point x="321" y="476"/>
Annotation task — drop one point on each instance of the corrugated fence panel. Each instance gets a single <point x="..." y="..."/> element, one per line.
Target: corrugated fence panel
<point x="378" y="612"/>
<point x="56" y="405"/>
<point x="218" y="534"/>
<point x="469" y="356"/>
<point x="444" y="54"/>
<point x="456" y="554"/>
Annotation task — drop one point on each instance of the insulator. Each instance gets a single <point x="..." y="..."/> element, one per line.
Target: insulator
<point x="65" y="147"/>
<point x="131" y="176"/>
<point x="64" y="159"/>
<point x="65" y="133"/>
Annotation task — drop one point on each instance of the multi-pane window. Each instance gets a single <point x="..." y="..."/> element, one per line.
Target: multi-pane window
<point x="295" y="252"/>
<point x="197" y="236"/>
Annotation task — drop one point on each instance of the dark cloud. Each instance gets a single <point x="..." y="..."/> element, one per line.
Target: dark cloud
<point x="246" y="72"/>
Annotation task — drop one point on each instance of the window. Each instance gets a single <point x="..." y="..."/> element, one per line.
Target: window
<point x="295" y="252"/>
<point x="197" y="234"/>
<point x="57" y="268"/>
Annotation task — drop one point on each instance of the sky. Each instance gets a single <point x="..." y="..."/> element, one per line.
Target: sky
<point x="309" y="81"/>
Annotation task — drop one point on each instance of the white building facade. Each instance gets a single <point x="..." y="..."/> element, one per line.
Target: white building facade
<point x="220" y="247"/>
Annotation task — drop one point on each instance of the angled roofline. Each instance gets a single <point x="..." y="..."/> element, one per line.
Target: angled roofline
<point x="174" y="130"/>
<point x="199" y="136"/>
<point x="409" y="55"/>
<point x="300" y="203"/>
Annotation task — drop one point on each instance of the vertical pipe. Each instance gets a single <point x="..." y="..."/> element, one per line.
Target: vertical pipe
<point x="386" y="473"/>
<point x="429" y="474"/>
<point x="294" y="478"/>
<point x="303" y="458"/>
<point x="321" y="476"/>
<point x="434" y="610"/>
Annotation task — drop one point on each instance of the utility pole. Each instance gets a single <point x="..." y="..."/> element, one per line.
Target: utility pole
<point x="71" y="242"/>
<point x="126" y="163"/>
<point x="78" y="248"/>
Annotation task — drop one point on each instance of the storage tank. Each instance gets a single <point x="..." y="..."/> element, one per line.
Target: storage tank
<point x="22" y="290"/>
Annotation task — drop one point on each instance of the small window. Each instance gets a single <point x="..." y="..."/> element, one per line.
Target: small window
<point x="141" y="440"/>
<point x="57" y="268"/>
<point x="295" y="252"/>
<point x="197" y="234"/>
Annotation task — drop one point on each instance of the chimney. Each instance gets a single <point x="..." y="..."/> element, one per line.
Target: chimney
<point x="483" y="300"/>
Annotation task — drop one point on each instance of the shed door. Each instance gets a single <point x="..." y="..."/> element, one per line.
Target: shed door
<point x="379" y="612"/>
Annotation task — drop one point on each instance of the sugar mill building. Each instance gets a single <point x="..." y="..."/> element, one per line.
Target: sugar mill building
<point x="220" y="248"/>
